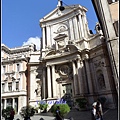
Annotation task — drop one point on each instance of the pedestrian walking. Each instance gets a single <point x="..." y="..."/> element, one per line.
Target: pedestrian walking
<point x="97" y="113"/>
<point x="58" y="115"/>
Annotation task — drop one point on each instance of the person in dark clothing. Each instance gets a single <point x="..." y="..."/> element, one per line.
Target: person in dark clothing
<point x="99" y="110"/>
<point x="58" y="116"/>
<point x="12" y="113"/>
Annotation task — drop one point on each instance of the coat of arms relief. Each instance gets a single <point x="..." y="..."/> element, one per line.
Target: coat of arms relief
<point x="65" y="72"/>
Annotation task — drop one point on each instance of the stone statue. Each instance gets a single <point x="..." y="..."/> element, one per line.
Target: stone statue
<point x="98" y="28"/>
<point x="38" y="90"/>
<point x="101" y="81"/>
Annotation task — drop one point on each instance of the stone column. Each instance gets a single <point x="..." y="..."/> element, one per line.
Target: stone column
<point x="43" y="39"/>
<point x="21" y="66"/>
<point x="13" y="102"/>
<point x="88" y="76"/>
<point x="20" y="86"/>
<point x="85" y="23"/>
<point x="48" y="36"/>
<point x="74" y="79"/>
<point x="56" y="45"/>
<point x="80" y="81"/>
<point x="81" y="25"/>
<point x="49" y="82"/>
<point x="71" y="29"/>
<point x="13" y="85"/>
<point x="76" y="28"/>
<point x="44" y="84"/>
<point x="6" y="86"/>
<point x="5" y="102"/>
<point x="54" y="82"/>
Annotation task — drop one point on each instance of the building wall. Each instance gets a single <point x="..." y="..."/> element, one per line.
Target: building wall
<point x="114" y="10"/>
<point x="107" y="10"/>
<point x="13" y="76"/>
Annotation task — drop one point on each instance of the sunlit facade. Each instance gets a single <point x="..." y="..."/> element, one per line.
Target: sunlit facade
<point x="13" y="79"/>
<point x="73" y="61"/>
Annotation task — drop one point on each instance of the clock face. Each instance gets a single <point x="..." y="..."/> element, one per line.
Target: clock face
<point x="64" y="70"/>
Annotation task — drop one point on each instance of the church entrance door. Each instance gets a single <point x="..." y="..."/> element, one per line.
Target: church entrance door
<point x="67" y="91"/>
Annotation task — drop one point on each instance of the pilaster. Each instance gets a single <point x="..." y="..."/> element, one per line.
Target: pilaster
<point x="49" y="82"/>
<point x="75" y="79"/>
<point x="43" y="40"/>
<point x="54" y="82"/>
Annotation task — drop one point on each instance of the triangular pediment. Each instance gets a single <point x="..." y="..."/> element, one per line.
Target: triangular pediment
<point x="56" y="13"/>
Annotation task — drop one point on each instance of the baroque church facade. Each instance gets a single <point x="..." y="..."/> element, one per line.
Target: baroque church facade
<point x="72" y="62"/>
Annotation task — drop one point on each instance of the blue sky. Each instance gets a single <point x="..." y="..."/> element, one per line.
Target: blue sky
<point x="20" y="19"/>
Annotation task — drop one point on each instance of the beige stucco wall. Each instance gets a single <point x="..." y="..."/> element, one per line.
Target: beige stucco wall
<point x="114" y="11"/>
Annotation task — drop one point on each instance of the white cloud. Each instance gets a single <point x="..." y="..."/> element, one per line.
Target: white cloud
<point x="34" y="40"/>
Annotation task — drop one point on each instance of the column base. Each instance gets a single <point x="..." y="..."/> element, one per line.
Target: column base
<point x="50" y="98"/>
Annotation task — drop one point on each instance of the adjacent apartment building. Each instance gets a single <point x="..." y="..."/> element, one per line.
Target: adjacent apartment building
<point x="13" y="79"/>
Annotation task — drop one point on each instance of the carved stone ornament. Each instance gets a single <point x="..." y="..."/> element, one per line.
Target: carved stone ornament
<point x="101" y="81"/>
<point x="64" y="70"/>
<point x="98" y="64"/>
<point x="38" y="90"/>
<point x="62" y="29"/>
<point x="61" y="44"/>
<point x="65" y="73"/>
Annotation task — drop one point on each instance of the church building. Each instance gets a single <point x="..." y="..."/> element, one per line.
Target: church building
<point x="73" y="62"/>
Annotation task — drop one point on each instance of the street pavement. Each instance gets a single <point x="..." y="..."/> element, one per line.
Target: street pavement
<point x="109" y="114"/>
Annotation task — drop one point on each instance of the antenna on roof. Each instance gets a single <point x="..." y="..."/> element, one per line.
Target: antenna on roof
<point x="60" y="5"/>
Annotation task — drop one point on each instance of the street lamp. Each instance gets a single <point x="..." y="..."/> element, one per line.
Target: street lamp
<point x="60" y="5"/>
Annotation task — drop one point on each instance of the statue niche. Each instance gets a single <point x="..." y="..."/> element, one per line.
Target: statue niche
<point x="101" y="81"/>
<point x="38" y="90"/>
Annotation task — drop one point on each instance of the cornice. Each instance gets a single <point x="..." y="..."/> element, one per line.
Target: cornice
<point x="18" y="49"/>
<point x="8" y="60"/>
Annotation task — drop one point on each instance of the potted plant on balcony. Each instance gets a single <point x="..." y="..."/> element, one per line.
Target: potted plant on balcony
<point x="26" y="112"/>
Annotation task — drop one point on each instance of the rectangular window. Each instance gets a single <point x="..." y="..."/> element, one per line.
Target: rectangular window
<point x="17" y="86"/>
<point x="18" y="67"/>
<point x="10" y="68"/>
<point x="3" y="87"/>
<point x="116" y="25"/>
<point x="9" y="86"/>
<point x="112" y="1"/>
<point x="4" y="69"/>
<point x="109" y="1"/>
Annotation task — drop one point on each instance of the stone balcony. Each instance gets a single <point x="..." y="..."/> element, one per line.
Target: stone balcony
<point x="10" y="72"/>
